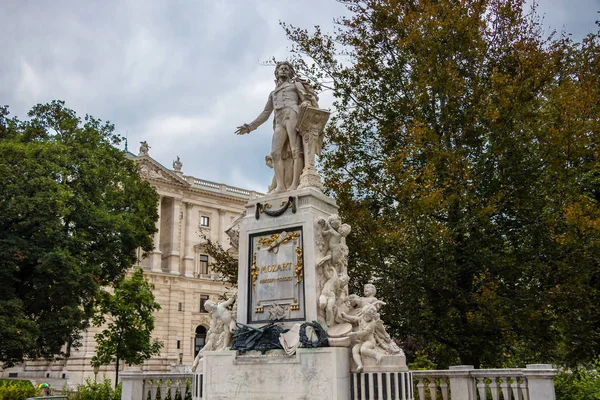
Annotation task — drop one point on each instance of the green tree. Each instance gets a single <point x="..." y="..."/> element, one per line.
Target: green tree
<point x="73" y="211"/>
<point x="464" y="152"/>
<point x="128" y="315"/>
<point x="224" y="262"/>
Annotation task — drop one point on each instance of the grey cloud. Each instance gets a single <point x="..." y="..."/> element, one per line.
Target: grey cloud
<point x="179" y="74"/>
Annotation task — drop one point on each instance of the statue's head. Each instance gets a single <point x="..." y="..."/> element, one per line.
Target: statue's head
<point x="344" y="230"/>
<point x="369" y="289"/>
<point x="370" y="311"/>
<point x="284" y="68"/>
<point x="210" y="305"/>
<point x="344" y="279"/>
<point x="335" y="221"/>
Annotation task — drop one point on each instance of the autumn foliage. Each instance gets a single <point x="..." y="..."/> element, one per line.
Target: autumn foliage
<point x="464" y="152"/>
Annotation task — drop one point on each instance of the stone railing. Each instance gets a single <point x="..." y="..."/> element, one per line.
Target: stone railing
<point x="465" y="383"/>
<point x="144" y="386"/>
<point x="222" y="188"/>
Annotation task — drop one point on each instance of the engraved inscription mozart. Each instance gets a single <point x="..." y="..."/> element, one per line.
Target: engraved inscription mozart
<point x="276" y="276"/>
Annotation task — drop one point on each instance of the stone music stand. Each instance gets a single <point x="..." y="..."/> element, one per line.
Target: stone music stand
<point x="310" y="126"/>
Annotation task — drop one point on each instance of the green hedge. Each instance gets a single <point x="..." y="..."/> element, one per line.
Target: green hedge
<point x="16" y="389"/>
<point x="96" y="391"/>
<point x="578" y="384"/>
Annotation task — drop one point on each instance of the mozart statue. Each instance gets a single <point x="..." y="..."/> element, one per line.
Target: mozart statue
<point x="288" y="102"/>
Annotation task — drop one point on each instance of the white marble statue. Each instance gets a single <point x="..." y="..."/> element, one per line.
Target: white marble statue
<point x="288" y="101"/>
<point x="364" y="335"/>
<point x="357" y="306"/>
<point x="332" y="267"/>
<point x="288" y="169"/>
<point x="333" y="242"/>
<point x="357" y="303"/>
<point x="222" y="326"/>
<point x="332" y="292"/>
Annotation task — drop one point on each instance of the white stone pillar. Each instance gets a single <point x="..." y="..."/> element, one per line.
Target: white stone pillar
<point x="188" y="259"/>
<point x="133" y="385"/>
<point x="176" y="220"/>
<point x="156" y="253"/>
<point x="222" y="227"/>
<point x="540" y="381"/>
<point x="462" y="385"/>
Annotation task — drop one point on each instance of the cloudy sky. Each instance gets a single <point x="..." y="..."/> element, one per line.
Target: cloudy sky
<point x="180" y="74"/>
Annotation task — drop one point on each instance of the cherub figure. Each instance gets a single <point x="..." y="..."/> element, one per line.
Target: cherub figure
<point x="334" y="233"/>
<point x="357" y="303"/>
<point x="332" y="290"/>
<point x="222" y="325"/>
<point x="365" y="335"/>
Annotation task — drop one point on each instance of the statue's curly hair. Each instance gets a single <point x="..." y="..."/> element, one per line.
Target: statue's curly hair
<point x="280" y="63"/>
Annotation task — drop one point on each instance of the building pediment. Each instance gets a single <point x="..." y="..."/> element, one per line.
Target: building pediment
<point x="153" y="171"/>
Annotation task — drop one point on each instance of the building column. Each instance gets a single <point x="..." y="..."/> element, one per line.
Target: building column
<point x="188" y="259"/>
<point x="156" y="253"/>
<point x="222" y="227"/>
<point x="174" y="262"/>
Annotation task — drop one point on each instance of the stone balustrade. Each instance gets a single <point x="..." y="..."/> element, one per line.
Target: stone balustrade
<point x="457" y="383"/>
<point x="222" y="188"/>
<point x="144" y="386"/>
<point x="466" y="383"/>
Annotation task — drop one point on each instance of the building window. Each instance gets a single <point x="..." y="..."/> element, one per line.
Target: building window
<point x="180" y="306"/>
<point x="178" y="344"/>
<point x="200" y="339"/>
<point x="203" y="299"/>
<point x="204" y="221"/>
<point x="203" y="264"/>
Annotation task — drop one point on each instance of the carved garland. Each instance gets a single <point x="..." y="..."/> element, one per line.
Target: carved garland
<point x="298" y="270"/>
<point x="273" y="241"/>
<point x="265" y="208"/>
<point x="254" y="272"/>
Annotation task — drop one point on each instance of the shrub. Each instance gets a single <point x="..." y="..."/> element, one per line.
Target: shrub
<point x="97" y="391"/>
<point x="578" y="384"/>
<point x="16" y="390"/>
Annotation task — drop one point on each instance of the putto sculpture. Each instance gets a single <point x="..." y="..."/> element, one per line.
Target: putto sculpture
<point x="297" y="130"/>
<point x="222" y="326"/>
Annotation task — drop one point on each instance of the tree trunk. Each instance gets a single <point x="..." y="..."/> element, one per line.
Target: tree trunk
<point x="117" y="373"/>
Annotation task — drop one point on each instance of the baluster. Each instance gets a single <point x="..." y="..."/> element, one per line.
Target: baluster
<point x="505" y="388"/>
<point x="516" y="388"/>
<point x="495" y="388"/>
<point x="421" y="388"/>
<point x="444" y="388"/>
<point x="433" y="388"/>
<point x="525" y="389"/>
<point x="148" y="390"/>
<point x="481" y="388"/>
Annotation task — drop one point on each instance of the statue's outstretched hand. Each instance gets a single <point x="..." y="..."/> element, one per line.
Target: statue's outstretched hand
<point x="242" y="130"/>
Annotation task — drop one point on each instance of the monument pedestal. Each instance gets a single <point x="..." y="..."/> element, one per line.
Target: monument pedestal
<point x="277" y="254"/>
<point x="322" y="373"/>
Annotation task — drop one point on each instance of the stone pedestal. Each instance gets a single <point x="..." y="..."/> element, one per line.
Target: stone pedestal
<point x="277" y="255"/>
<point x="314" y="374"/>
<point x="388" y="363"/>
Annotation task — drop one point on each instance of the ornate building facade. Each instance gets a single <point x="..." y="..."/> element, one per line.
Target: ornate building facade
<point x="189" y="209"/>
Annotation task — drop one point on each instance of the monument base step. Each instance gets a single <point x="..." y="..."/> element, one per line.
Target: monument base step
<point x="321" y="373"/>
